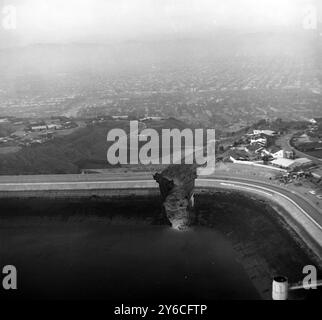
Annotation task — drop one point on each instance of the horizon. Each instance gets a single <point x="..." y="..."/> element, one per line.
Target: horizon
<point x="99" y="21"/>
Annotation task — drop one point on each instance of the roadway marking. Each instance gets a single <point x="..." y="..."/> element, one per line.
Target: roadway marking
<point x="276" y="192"/>
<point x="246" y="188"/>
<point x="75" y="183"/>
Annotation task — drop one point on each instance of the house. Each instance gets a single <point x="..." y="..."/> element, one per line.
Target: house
<point x="315" y="121"/>
<point x="151" y="118"/>
<point x="260" y="141"/>
<point x="120" y="117"/>
<point x="279" y="154"/>
<point x="291" y="164"/>
<point x="289" y="154"/>
<point x="286" y="154"/>
<point x="283" y="163"/>
<point x="39" y="128"/>
<point x="54" y="126"/>
<point x="4" y="120"/>
<point x="268" y="133"/>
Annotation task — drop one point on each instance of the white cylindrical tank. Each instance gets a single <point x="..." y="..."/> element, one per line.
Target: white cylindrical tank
<point x="280" y="288"/>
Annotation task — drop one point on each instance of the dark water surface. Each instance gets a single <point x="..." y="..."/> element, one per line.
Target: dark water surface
<point x="90" y="248"/>
<point x="125" y="263"/>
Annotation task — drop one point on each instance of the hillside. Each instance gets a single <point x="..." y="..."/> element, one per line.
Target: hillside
<point x="85" y="148"/>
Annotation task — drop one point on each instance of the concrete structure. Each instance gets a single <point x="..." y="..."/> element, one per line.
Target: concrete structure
<point x="278" y="154"/>
<point x="289" y="164"/>
<point x="303" y="216"/>
<point x="260" y="141"/>
<point x="283" y="163"/>
<point x="280" y="288"/>
<point x="151" y="118"/>
<point x="39" y="128"/>
<point x="269" y="133"/>
<point x="289" y="154"/>
<point x="54" y="126"/>
<point x="120" y="117"/>
<point x="283" y="154"/>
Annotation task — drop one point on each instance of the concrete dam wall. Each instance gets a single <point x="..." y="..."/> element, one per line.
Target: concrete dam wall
<point x="138" y="185"/>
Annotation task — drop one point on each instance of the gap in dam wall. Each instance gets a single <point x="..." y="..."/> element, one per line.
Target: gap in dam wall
<point x="237" y="239"/>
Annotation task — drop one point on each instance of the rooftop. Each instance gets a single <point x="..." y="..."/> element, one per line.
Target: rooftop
<point x="281" y="162"/>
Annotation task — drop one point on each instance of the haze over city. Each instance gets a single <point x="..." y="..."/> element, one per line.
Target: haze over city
<point x="51" y="21"/>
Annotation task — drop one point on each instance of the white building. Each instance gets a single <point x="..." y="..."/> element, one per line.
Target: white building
<point x="291" y="164"/>
<point x="120" y="117"/>
<point x="54" y="126"/>
<point x="269" y="133"/>
<point x="279" y="154"/>
<point x="283" y="163"/>
<point x="39" y="128"/>
<point x="260" y="141"/>
<point x="151" y="118"/>
<point x="283" y="154"/>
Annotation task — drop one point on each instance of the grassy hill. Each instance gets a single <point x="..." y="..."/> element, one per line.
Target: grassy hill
<point x="62" y="155"/>
<point x="85" y="148"/>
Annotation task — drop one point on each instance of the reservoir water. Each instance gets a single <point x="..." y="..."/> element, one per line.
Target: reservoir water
<point x="98" y="248"/>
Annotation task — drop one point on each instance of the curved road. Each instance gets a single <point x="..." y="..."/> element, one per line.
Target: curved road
<point x="308" y="209"/>
<point x="286" y="143"/>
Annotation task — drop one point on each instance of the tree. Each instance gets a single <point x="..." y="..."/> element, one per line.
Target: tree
<point x="266" y="158"/>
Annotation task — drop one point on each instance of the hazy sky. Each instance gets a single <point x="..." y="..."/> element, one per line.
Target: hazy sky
<point x="74" y="20"/>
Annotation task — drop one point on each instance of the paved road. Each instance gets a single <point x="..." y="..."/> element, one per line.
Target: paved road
<point x="285" y="142"/>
